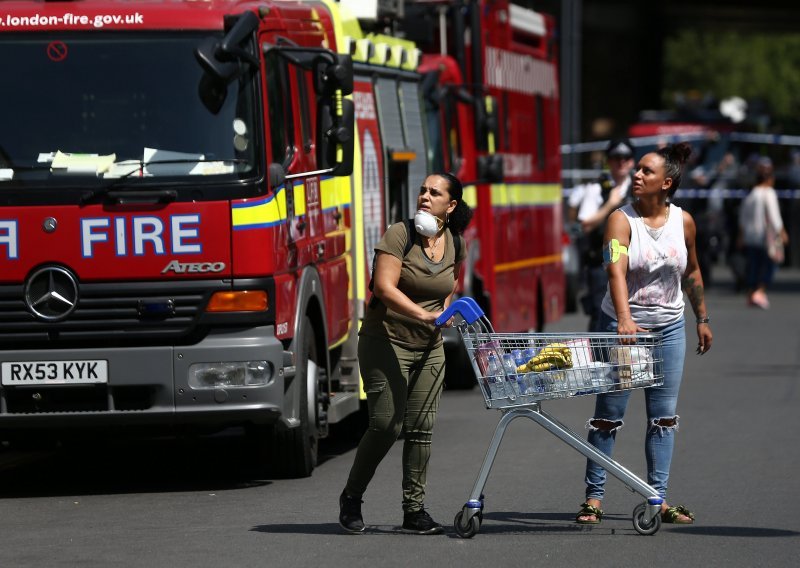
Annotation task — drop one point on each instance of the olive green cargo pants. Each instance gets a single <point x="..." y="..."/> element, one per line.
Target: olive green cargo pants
<point x="403" y="388"/>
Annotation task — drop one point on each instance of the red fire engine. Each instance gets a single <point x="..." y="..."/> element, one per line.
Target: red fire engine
<point x="492" y="68"/>
<point x="174" y="241"/>
<point x="490" y="114"/>
<point x="190" y="200"/>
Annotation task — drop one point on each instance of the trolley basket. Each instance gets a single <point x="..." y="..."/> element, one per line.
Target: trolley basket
<point x="516" y="371"/>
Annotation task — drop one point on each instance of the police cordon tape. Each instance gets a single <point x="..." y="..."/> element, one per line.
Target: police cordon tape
<point x="754" y="137"/>
<point x="690" y="193"/>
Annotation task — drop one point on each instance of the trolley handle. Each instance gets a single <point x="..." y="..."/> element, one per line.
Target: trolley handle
<point x="466" y="307"/>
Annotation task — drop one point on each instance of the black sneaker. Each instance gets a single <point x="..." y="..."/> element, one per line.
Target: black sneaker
<point x="420" y="522"/>
<point x="350" y="518"/>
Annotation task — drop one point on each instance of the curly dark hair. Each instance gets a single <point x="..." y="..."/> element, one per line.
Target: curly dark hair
<point x="675" y="156"/>
<point x="459" y="219"/>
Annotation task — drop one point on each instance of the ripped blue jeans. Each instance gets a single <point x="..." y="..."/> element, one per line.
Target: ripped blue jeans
<point x="661" y="403"/>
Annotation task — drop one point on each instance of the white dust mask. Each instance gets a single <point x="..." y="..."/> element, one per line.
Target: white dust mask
<point x="426" y="224"/>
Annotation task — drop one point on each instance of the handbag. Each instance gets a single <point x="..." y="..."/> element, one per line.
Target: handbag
<point x="774" y="243"/>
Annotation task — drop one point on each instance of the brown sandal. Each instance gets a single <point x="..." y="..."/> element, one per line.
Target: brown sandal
<point x="672" y="515"/>
<point x="586" y="511"/>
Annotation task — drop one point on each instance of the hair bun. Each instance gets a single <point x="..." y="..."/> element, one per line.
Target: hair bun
<point x="681" y="152"/>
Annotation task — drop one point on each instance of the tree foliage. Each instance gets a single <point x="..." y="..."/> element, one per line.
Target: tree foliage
<point x="724" y="64"/>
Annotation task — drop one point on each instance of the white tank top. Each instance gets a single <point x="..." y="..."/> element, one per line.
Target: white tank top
<point x="656" y="264"/>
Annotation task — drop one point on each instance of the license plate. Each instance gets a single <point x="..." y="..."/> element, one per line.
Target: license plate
<point x="25" y="373"/>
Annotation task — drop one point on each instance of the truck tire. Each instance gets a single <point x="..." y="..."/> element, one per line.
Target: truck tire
<point x="295" y="449"/>
<point x="292" y="453"/>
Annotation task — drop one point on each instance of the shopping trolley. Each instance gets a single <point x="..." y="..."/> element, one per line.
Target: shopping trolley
<point x="517" y="371"/>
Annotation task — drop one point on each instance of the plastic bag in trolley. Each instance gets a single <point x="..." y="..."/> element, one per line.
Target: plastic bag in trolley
<point x="633" y="366"/>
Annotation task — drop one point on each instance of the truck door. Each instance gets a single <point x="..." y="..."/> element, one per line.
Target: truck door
<point x="312" y="233"/>
<point x="280" y="125"/>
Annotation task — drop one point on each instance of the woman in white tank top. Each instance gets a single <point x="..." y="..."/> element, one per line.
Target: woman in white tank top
<point x="649" y="249"/>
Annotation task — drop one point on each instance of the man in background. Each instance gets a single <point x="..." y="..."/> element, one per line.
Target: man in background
<point x="589" y="206"/>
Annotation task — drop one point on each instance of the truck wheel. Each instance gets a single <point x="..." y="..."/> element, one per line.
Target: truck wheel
<point x="295" y="450"/>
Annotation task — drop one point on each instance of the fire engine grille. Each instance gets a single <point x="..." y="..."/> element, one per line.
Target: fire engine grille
<point x="96" y="398"/>
<point x="118" y="312"/>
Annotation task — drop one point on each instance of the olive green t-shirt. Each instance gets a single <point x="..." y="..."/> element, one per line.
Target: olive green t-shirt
<point x="426" y="283"/>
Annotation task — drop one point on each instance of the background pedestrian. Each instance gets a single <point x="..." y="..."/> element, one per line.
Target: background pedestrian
<point x="761" y="234"/>
<point x="590" y="205"/>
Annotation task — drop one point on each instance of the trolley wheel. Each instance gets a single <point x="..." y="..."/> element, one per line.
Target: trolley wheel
<point x="643" y="526"/>
<point x="468" y="531"/>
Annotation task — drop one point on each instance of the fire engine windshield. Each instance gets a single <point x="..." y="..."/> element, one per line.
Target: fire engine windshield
<point x="86" y="109"/>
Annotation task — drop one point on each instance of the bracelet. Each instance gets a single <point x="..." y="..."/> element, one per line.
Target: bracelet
<point x="703" y="320"/>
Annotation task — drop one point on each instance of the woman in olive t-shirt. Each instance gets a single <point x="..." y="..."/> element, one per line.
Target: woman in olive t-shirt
<point x="400" y="351"/>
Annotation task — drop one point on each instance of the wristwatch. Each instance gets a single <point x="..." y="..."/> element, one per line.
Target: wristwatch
<point x="703" y="320"/>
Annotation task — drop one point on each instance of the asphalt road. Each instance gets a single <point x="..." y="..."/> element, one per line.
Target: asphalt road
<point x="197" y="502"/>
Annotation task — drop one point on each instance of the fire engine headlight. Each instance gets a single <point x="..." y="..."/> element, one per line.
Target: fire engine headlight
<point x="230" y="374"/>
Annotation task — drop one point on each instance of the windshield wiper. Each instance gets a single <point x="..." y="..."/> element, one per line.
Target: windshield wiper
<point x="119" y="183"/>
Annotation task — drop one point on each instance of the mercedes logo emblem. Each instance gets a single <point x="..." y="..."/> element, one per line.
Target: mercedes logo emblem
<point x="51" y="293"/>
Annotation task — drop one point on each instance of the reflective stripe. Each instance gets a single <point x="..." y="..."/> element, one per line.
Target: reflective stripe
<point x="518" y="194"/>
<point x="264" y="212"/>
<point x="271" y="210"/>
<point x="299" y="191"/>
<point x="528" y="263"/>
<point x="335" y="192"/>
<point x="470" y="196"/>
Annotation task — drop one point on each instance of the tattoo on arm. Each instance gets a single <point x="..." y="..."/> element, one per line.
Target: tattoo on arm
<point x="695" y="292"/>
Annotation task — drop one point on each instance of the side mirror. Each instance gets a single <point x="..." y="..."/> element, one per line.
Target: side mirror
<point x="231" y="45"/>
<point x="206" y="55"/>
<point x="212" y="92"/>
<point x="331" y="77"/>
<point x="346" y="139"/>
<point x="220" y="59"/>
<point x="336" y="136"/>
<point x="487" y="122"/>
